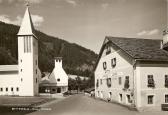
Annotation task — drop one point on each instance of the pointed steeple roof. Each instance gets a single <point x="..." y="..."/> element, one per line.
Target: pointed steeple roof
<point x="27" y="27"/>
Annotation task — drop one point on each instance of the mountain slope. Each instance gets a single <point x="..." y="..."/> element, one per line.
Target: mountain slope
<point x="76" y="59"/>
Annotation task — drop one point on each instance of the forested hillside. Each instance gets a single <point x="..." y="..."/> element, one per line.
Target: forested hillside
<point x="76" y="59"/>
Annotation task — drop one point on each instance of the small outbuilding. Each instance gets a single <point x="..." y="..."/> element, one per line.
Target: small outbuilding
<point x="55" y="82"/>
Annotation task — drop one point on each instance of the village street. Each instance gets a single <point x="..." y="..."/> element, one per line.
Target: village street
<point x="83" y="105"/>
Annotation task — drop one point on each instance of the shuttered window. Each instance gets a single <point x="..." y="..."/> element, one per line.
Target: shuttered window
<point x="113" y="62"/>
<point x="109" y="82"/>
<point x="150" y="99"/>
<point x="97" y="83"/>
<point x="104" y="65"/>
<point x="166" y="81"/>
<point x="126" y="85"/>
<point x="151" y="81"/>
<point x="166" y="98"/>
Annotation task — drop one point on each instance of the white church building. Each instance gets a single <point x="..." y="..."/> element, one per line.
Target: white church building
<point x="56" y="81"/>
<point x="23" y="79"/>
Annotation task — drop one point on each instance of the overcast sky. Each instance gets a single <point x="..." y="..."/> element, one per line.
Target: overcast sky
<point x="87" y="22"/>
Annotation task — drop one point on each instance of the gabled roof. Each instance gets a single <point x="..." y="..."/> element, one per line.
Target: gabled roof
<point x="27" y="27"/>
<point x="147" y="49"/>
<point x="142" y="49"/>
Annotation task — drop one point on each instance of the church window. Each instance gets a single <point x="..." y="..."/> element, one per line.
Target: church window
<point x="21" y="79"/>
<point x="1" y="89"/>
<point x="27" y="44"/>
<point x="17" y="89"/>
<point x="21" y="70"/>
<point x="21" y="60"/>
<point x="58" y="79"/>
<point x="36" y="80"/>
<point x="11" y="88"/>
<point x="36" y="71"/>
<point x="6" y="89"/>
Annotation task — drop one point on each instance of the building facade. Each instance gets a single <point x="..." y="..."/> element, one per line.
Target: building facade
<point x="23" y="79"/>
<point x="133" y="72"/>
<point x="57" y="81"/>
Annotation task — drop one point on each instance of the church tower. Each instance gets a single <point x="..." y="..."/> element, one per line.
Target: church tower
<point x="28" y="57"/>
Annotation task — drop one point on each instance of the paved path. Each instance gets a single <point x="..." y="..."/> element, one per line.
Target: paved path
<point x="83" y="105"/>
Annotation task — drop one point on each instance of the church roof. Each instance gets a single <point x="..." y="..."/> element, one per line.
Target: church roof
<point x="27" y="27"/>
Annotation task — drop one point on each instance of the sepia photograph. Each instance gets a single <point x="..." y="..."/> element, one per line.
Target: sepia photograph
<point x="83" y="57"/>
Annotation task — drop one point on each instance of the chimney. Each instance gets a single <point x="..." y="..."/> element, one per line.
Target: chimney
<point x="164" y="44"/>
<point x="58" y="62"/>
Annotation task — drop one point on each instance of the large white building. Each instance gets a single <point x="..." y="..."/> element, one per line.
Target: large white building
<point x="23" y="79"/>
<point x="133" y="72"/>
<point x="56" y="81"/>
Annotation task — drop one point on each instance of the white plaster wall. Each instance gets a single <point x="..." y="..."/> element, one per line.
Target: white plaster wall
<point x="158" y="71"/>
<point x="59" y="73"/>
<point x="35" y="67"/>
<point x="123" y="68"/>
<point x="28" y="73"/>
<point x="137" y="91"/>
<point x="9" y="80"/>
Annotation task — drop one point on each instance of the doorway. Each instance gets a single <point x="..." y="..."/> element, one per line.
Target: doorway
<point x="58" y="90"/>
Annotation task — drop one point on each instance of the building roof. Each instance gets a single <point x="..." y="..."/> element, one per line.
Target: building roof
<point x="27" y="27"/>
<point x="146" y="49"/>
<point x="8" y="67"/>
<point x="141" y="49"/>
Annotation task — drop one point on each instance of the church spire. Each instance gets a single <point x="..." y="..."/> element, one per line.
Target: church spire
<point x="27" y="27"/>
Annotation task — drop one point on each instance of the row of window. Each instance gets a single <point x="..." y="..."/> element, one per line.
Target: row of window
<point x="22" y="70"/>
<point x="109" y="82"/>
<point x="151" y="82"/>
<point x="113" y="64"/>
<point x="127" y="96"/>
<point x="7" y="89"/>
<point x="151" y="99"/>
